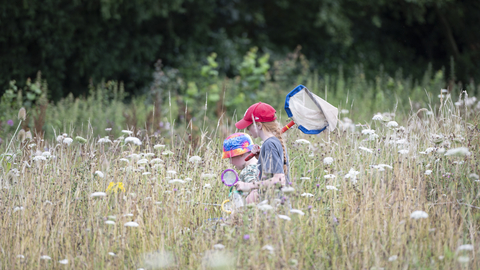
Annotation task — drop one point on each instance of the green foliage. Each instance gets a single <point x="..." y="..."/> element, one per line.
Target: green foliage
<point x="77" y="42"/>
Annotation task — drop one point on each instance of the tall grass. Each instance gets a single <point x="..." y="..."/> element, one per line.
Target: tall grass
<point x="47" y="208"/>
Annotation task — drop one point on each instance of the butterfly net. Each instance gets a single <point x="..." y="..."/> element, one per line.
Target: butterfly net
<point x="312" y="112"/>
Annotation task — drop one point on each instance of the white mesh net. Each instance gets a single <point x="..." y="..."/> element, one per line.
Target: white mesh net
<point x="306" y="113"/>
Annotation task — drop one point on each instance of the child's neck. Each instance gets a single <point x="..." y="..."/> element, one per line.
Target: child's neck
<point x="264" y="135"/>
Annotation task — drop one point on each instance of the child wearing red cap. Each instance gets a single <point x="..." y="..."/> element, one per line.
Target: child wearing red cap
<point x="260" y="121"/>
<point x="237" y="147"/>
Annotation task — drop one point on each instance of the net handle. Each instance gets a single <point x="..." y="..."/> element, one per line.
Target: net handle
<point x="285" y="128"/>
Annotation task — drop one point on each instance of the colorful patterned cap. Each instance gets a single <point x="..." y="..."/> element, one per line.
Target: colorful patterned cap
<point x="237" y="144"/>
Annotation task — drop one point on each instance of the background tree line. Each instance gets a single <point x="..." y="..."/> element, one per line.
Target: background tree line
<point x="77" y="42"/>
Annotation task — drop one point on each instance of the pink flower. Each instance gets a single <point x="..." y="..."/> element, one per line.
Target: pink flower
<point x="10" y="122"/>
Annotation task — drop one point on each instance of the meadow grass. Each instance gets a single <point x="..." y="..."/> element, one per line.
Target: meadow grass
<point x="355" y="211"/>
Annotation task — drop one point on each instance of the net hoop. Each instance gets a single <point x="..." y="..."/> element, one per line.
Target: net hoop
<point x="313" y="98"/>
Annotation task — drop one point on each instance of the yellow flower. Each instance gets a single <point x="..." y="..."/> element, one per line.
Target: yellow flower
<point x="115" y="187"/>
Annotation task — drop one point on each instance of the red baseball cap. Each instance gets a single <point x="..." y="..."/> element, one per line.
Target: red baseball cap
<point x="261" y="112"/>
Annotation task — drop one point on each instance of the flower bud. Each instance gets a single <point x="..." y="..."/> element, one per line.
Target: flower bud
<point x="21" y="135"/>
<point x="22" y="114"/>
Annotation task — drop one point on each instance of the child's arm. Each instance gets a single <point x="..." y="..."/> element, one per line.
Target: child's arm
<point x="277" y="178"/>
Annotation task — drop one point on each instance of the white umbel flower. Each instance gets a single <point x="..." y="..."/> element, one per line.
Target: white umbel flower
<point x="98" y="194"/>
<point x="465" y="247"/>
<point x="133" y="140"/>
<point x="45" y="257"/>
<point x="284" y="217"/>
<point x="331" y="188"/>
<point x="377" y="117"/>
<point x="368" y="131"/>
<point x="328" y="160"/>
<point x="64" y="261"/>
<point x="392" y="124"/>
<point x="195" y="159"/>
<point x="428" y="172"/>
<point x="128" y="132"/>
<point x="131" y="224"/>
<point x="365" y="149"/>
<point x="418" y="215"/>
<point x="302" y="141"/>
<point x="288" y="190"/>
<point x="460" y="151"/>
<point x="99" y="174"/>
<point x="104" y="140"/>
<point x="177" y="182"/>
<point x="296" y="211"/>
<point x="67" y="141"/>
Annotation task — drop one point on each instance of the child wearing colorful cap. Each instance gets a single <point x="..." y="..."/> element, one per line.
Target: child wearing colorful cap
<point x="237" y="147"/>
<point x="260" y="121"/>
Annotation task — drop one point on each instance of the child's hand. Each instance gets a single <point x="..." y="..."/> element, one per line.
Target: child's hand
<point x="242" y="186"/>
<point x="255" y="150"/>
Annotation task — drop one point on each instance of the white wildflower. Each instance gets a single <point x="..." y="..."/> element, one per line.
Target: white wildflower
<point x="131" y="224"/>
<point x="67" y="141"/>
<point x="328" y="160"/>
<point x="264" y="207"/>
<point x="158" y="146"/>
<point x="428" y="172"/>
<point x="365" y="149"/>
<point x="392" y="124"/>
<point x="39" y="158"/>
<point x="302" y="141"/>
<point x="368" y="131"/>
<point x="460" y="151"/>
<point x="377" y="117"/>
<point x="59" y="138"/>
<point x="352" y="175"/>
<point x="124" y="160"/>
<point x="177" y="182"/>
<point x="45" y="257"/>
<point x="284" y="217"/>
<point x="156" y="160"/>
<point x="104" y="140"/>
<point x="403" y="151"/>
<point x="331" y="187"/>
<point x="128" y="215"/>
<point x="305" y="178"/>
<point x="188" y="179"/>
<point x="288" y="190"/>
<point x="167" y="153"/>
<point x="269" y="248"/>
<point x="172" y="172"/>
<point x="133" y="140"/>
<point x="465" y="247"/>
<point x="441" y="150"/>
<point x="128" y="132"/>
<point x="307" y="194"/>
<point x="99" y="174"/>
<point x="463" y="259"/>
<point x="392" y="258"/>
<point x="46" y="154"/>
<point x="296" y="211"/>
<point x="18" y="209"/>
<point x="64" y="261"/>
<point x="110" y="222"/>
<point x="208" y="175"/>
<point x="207" y="186"/>
<point x="148" y="155"/>
<point x="329" y="176"/>
<point x="111" y="253"/>
<point x="218" y="246"/>
<point x="195" y="159"/>
<point x="98" y="194"/>
<point x="142" y="161"/>
<point x="146" y="173"/>
<point x="418" y="215"/>
<point x="20" y="256"/>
